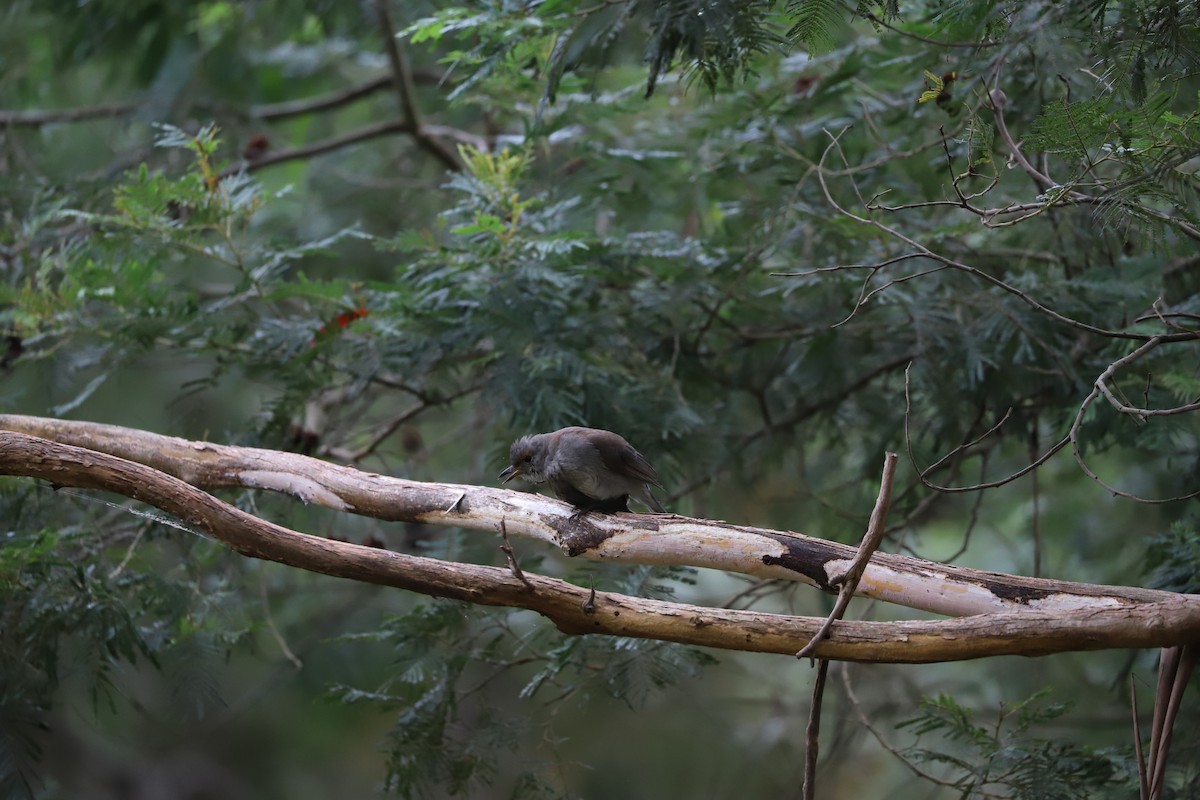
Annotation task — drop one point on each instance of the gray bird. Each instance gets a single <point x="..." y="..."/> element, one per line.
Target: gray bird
<point x="591" y="469"/>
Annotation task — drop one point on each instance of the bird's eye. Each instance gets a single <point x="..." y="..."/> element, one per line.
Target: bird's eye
<point x="528" y="459"/>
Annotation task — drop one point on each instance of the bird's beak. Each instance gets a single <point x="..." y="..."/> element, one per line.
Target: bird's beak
<point x="509" y="473"/>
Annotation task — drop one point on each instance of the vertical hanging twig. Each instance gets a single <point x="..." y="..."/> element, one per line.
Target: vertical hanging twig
<point x="848" y="580"/>
<point x="847" y="583"/>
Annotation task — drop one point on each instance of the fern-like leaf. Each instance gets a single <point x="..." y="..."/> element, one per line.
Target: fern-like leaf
<point x="815" y="23"/>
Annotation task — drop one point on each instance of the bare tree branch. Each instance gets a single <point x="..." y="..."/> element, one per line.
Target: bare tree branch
<point x="325" y="102"/>
<point x="1138" y="754"/>
<point x="1073" y="434"/>
<point x="866" y="722"/>
<point x="801" y="413"/>
<point x="347" y="139"/>
<point x="812" y="733"/>
<point x="402" y="80"/>
<point x="34" y="118"/>
<point x="977" y="486"/>
<point x="1037" y="628"/>
<point x="627" y="538"/>
<point x="848" y="584"/>
<point x="1175" y="669"/>
<point x="859" y="11"/>
<point x="511" y="557"/>
<point x="848" y="580"/>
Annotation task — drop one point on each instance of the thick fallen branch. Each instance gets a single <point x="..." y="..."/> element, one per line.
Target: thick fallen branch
<point x="629" y="538"/>
<point x="576" y="610"/>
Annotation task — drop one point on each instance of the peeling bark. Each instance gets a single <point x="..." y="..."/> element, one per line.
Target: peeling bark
<point x="1024" y="616"/>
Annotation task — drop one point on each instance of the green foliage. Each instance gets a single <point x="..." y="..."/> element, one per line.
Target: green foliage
<point x="445" y="653"/>
<point x="67" y="619"/>
<point x="716" y="40"/>
<point x="1141" y="139"/>
<point x="505" y="41"/>
<point x="178" y="265"/>
<point x="47" y="597"/>
<point x="979" y="138"/>
<point x="1004" y="757"/>
<point x="816" y="23"/>
<point x="509" y="264"/>
<point x="676" y="269"/>
<point x="1173" y="558"/>
<point x="712" y="40"/>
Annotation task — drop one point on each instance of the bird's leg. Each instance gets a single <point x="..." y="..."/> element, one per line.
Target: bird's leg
<point x="578" y="514"/>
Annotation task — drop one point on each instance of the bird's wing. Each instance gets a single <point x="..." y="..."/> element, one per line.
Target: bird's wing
<point x="633" y="464"/>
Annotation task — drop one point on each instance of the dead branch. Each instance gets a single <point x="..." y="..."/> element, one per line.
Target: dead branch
<point x="402" y="81"/>
<point x="347" y="139"/>
<point x="848" y="581"/>
<point x="1120" y="620"/>
<point x="627" y="538"/>
<point x="36" y="118"/>
<point x="812" y="733"/>
<point x="848" y="584"/>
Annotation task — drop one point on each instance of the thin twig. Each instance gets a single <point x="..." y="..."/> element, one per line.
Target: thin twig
<point x="34" y="118"/>
<point x="950" y="168"/>
<point x="311" y="105"/>
<point x="401" y="72"/>
<point x="797" y="416"/>
<point x="402" y="80"/>
<point x="835" y="145"/>
<point x="1037" y="497"/>
<point x="323" y="146"/>
<point x="1134" y="411"/>
<point x="117" y="570"/>
<point x="286" y="109"/>
<point x="874" y="731"/>
<point x="849" y="579"/>
<point x="973" y="519"/>
<point x="757" y="590"/>
<point x="813" y="731"/>
<point x="1175" y="670"/>
<point x="424" y="402"/>
<point x="1168" y="666"/>
<point x="876" y="20"/>
<point x="975" y="487"/>
<point x="1097" y="390"/>
<point x="1140" y="757"/>
<point x="1072" y="437"/>
<point x="391" y="427"/>
<point x="865" y="296"/>
<point x="839" y="267"/>
<point x="997" y="100"/>
<point x="266" y="605"/>
<point x="506" y="548"/>
<point x="347" y="139"/>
